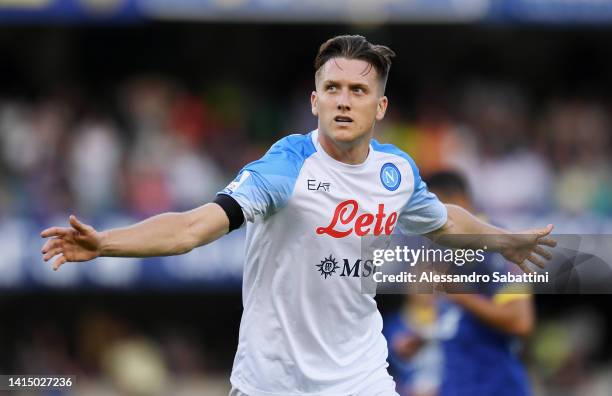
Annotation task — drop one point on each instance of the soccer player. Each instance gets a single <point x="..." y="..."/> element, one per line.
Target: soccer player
<point x="306" y="329"/>
<point x="482" y="331"/>
<point x="415" y="357"/>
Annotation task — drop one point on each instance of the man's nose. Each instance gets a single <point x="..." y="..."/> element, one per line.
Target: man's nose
<point x="343" y="103"/>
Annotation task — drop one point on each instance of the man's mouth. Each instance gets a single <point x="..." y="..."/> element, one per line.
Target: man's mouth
<point x="343" y="119"/>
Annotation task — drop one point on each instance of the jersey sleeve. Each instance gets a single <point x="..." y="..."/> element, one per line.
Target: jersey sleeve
<point x="423" y="212"/>
<point x="264" y="186"/>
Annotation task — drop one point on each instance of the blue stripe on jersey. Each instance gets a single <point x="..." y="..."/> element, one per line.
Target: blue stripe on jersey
<point x="265" y="185"/>
<point x="423" y="212"/>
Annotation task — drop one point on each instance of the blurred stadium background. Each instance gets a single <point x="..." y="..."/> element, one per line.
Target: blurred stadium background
<point x="119" y="109"/>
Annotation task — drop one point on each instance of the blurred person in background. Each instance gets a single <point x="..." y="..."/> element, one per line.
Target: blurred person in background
<point x="498" y="114"/>
<point x="577" y="134"/>
<point x="415" y="358"/>
<point x="306" y="329"/>
<point x="94" y="165"/>
<point x="481" y="333"/>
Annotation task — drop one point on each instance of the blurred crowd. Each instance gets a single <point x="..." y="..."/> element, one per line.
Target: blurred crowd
<point x="150" y="150"/>
<point x="136" y="120"/>
<point x="519" y="156"/>
<point x="122" y="346"/>
<point x="149" y="144"/>
<point x="128" y="346"/>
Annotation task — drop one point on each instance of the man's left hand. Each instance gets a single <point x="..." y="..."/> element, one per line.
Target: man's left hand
<point x="528" y="246"/>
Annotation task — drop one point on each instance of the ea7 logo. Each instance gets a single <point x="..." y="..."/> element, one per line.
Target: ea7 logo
<point x="314" y="185"/>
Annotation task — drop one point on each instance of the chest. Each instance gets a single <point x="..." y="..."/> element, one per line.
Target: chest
<point x="341" y="203"/>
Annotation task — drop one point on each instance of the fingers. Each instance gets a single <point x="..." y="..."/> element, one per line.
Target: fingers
<point x="61" y="260"/>
<point x="63" y="231"/>
<point x="77" y="225"/>
<point x="55" y="232"/>
<point x="544" y="231"/>
<point x="52" y="248"/>
<point x="547" y="241"/>
<point x="52" y="252"/>
<point x="523" y="265"/>
<point x="51" y="244"/>
<point x="543" y="252"/>
<point x="535" y="260"/>
<point x="55" y="246"/>
<point x="543" y="238"/>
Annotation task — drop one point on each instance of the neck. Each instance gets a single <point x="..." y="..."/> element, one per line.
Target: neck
<point x="353" y="153"/>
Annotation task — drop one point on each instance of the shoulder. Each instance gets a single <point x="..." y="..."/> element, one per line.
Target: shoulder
<point x="390" y="149"/>
<point x="286" y="156"/>
<point x="298" y="146"/>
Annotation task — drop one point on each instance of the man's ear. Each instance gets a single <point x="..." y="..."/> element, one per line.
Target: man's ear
<point x="383" y="102"/>
<point x="313" y="104"/>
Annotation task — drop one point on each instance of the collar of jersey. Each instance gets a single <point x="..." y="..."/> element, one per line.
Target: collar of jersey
<point x="329" y="159"/>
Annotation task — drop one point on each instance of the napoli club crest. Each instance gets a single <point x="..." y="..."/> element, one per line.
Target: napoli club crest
<point x="390" y="176"/>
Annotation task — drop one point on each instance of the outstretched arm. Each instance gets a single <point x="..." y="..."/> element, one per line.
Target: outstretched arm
<point x="517" y="247"/>
<point x="162" y="235"/>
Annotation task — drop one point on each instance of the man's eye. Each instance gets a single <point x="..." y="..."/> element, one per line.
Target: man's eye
<point x="331" y="87"/>
<point x="358" y="90"/>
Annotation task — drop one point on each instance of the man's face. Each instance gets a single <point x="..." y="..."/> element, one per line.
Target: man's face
<point x="348" y="100"/>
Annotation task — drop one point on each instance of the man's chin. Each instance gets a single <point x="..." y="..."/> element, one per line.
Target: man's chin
<point x="345" y="135"/>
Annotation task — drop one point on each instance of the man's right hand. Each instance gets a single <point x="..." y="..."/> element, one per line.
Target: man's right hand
<point x="80" y="242"/>
<point x="166" y="234"/>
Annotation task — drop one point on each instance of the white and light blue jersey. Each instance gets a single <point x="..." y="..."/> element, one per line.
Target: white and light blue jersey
<point x="306" y="328"/>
